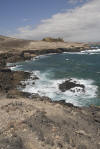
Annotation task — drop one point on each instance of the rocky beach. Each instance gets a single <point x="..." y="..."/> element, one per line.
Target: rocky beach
<point x="35" y="122"/>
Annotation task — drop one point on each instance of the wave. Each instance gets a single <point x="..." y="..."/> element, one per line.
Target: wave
<point x="15" y="68"/>
<point x="93" y="51"/>
<point x="50" y="87"/>
<point x="43" y="56"/>
<point x="90" y="52"/>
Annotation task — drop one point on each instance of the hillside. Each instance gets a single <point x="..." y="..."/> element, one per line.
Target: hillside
<point x="13" y="44"/>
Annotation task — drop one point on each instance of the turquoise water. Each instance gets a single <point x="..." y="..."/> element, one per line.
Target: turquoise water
<point x="53" y="69"/>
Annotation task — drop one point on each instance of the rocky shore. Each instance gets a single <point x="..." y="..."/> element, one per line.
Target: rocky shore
<point x="37" y="122"/>
<point x="15" y="50"/>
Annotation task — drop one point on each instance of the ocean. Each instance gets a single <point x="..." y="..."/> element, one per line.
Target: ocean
<point x="53" y="69"/>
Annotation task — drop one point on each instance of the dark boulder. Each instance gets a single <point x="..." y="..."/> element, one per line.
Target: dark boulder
<point x="69" y="84"/>
<point x="5" y="70"/>
<point x="11" y="79"/>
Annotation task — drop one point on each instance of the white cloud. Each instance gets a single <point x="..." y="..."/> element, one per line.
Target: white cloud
<point x="75" y="1"/>
<point x="80" y="24"/>
<point x="26" y="19"/>
<point x="24" y="29"/>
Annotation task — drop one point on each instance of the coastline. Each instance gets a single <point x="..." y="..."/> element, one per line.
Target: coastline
<point x="37" y="122"/>
<point x="14" y="50"/>
<point x="15" y="77"/>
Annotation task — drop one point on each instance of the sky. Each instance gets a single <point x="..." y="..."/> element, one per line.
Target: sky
<point x="72" y="20"/>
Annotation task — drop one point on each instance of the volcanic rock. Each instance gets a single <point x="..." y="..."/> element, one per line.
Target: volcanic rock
<point x="69" y="84"/>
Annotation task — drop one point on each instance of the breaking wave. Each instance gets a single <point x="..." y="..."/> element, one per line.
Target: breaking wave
<point x="47" y="87"/>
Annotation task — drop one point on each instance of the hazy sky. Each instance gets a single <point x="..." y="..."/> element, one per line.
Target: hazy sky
<point x="73" y="20"/>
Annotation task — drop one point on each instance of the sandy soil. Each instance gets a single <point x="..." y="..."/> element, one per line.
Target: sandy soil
<point x="41" y="124"/>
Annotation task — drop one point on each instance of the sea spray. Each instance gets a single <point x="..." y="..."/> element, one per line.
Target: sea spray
<point x="52" y="70"/>
<point x="47" y="87"/>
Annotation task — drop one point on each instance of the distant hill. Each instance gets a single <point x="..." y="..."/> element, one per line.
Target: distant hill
<point x="18" y="45"/>
<point x="2" y="38"/>
<point x="9" y="43"/>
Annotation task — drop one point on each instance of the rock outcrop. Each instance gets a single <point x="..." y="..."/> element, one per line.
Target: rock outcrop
<point x="10" y="80"/>
<point x="70" y="84"/>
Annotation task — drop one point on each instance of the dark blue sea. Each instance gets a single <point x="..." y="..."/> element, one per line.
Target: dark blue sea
<point x="53" y="69"/>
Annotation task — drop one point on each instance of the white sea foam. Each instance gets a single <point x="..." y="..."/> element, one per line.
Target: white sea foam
<point x="50" y="87"/>
<point x="93" y="51"/>
<point x="67" y="59"/>
<point x="15" y="68"/>
<point x="47" y="87"/>
<point x="42" y="56"/>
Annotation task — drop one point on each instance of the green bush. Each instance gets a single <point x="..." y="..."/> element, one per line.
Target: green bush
<point x="49" y="39"/>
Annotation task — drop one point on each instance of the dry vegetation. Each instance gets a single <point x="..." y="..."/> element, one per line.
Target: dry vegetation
<point x="40" y="124"/>
<point x="49" y="39"/>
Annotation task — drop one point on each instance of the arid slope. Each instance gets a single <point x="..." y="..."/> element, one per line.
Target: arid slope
<point x="13" y="44"/>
